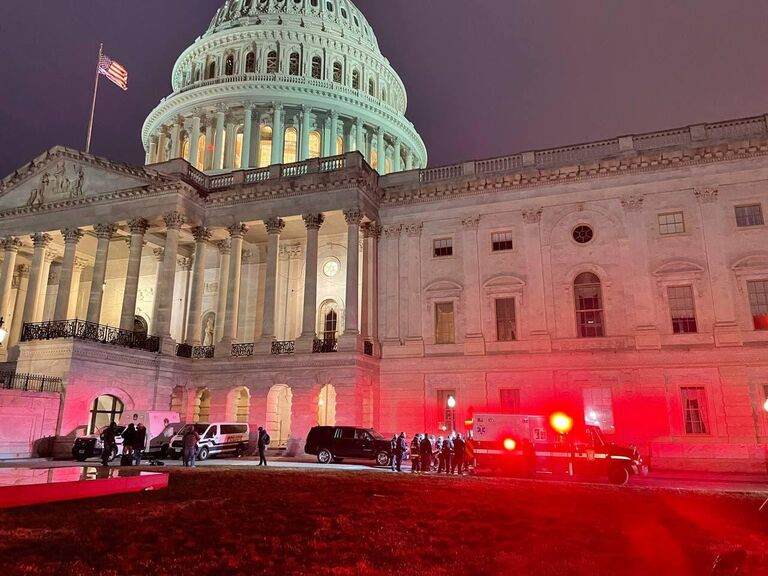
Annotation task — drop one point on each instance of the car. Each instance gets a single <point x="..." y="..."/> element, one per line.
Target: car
<point x="92" y="445"/>
<point x="215" y="438"/>
<point x="334" y="443"/>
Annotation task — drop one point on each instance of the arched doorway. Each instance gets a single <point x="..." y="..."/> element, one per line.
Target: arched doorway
<point x="328" y="320"/>
<point x="326" y="406"/>
<point x="241" y="407"/>
<point x="279" y="402"/>
<point x="202" y="411"/>
<point x="140" y="326"/>
<point x="104" y="410"/>
<point x="177" y="400"/>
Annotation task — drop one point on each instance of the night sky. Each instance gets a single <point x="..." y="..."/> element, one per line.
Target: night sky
<point x="484" y="77"/>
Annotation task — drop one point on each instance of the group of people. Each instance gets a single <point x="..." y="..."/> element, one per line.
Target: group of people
<point x="451" y="454"/>
<point x="134" y="443"/>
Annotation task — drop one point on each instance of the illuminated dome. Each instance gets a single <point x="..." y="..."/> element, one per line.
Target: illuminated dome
<point x="281" y="81"/>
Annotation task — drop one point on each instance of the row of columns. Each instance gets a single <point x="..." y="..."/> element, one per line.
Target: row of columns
<point x="167" y="144"/>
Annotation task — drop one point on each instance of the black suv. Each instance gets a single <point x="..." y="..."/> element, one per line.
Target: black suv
<point x="334" y="443"/>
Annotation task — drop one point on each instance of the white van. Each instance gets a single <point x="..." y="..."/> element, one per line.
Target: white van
<point x="215" y="438"/>
<point x="157" y="423"/>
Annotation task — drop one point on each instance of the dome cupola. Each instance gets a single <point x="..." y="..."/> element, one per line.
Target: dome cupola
<point x="281" y="81"/>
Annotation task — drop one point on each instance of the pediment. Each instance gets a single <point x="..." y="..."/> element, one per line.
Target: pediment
<point x="504" y="280"/>
<point x="679" y="267"/>
<point x="62" y="177"/>
<point x="443" y="286"/>
<point x="752" y="262"/>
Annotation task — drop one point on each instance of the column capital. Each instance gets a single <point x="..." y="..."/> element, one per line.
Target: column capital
<point x="105" y="231"/>
<point x="159" y="253"/>
<point x="353" y="216"/>
<point x="198" y="112"/>
<point x="71" y="235"/>
<point x="248" y="257"/>
<point x="471" y="222"/>
<point x="81" y="264"/>
<point x="291" y="251"/>
<point x="22" y="270"/>
<point x="413" y="230"/>
<point x="174" y="220"/>
<point x="41" y="239"/>
<point x="334" y="115"/>
<point x="532" y="215"/>
<point x="632" y="203"/>
<point x="371" y="230"/>
<point x="313" y="221"/>
<point x="138" y="226"/>
<point x="221" y="108"/>
<point x="184" y="263"/>
<point x="201" y="234"/>
<point x="237" y="230"/>
<point x="706" y="195"/>
<point x="224" y="247"/>
<point x="11" y="244"/>
<point x="274" y="225"/>
<point x="392" y="230"/>
<point x="277" y="106"/>
<point x="50" y="256"/>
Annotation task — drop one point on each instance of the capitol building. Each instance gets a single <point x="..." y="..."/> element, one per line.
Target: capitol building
<point x="286" y="257"/>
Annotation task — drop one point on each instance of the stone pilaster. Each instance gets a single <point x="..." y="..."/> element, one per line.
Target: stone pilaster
<point x="221" y="300"/>
<point x="313" y="222"/>
<point x="277" y="134"/>
<point x="350" y="340"/>
<point x="104" y="233"/>
<point x="474" y="342"/>
<point x="159" y="254"/>
<point x="381" y="152"/>
<point x="391" y="277"/>
<point x="138" y="228"/>
<point x="245" y="156"/>
<point x="218" y="150"/>
<point x="274" y="227"/>
<point x="369" y="319"/>
<point x="40" y="241"/>
<point x="72" y="237"/>
<point x="173" y="222"/>
<point x="194" y="324"/>
<point x="536" y="314"/>
<point x="236" y="233"/>
<point x="194" y="138"/>
<point x="306" y="122"/>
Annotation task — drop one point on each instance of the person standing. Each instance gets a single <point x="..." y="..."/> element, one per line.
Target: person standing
<point x="189" y="444"/>
<point x="128" y="435"/>
<point x="139" y="443"/>
<point x="263" y="442"/>
<point x="108" y="437"/>
<point x="426" y="454"/>
<point x="392" y="452"/>
<point x="415" y="453"/>
<point x="446" y="453"/>
<point x="401" y="447"/>
<point x="438" y="451"/>
<point x="458" y="455"/>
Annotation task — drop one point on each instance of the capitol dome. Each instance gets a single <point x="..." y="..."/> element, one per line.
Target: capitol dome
<point x="282" y="81"/>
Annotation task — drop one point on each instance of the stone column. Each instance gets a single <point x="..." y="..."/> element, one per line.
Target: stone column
<point x="218" y="149"/>
<point x="256" y="139"/>
<point x="176" y="139"/>
<point x="409" y="161"/>
<point x="221" y="297"/>
<point x="40" y="314"/>
<point x="104" y="233"/>
<point x="397" y="163"/>
<point x="159" y="256"/>
<point x="360" y="137"/>
<point x="11" y="246"/>
<point x="726" y="330"/>
<point x="245" y="153"/>
<point x="71" y="237"/>
<point x="194" y="138"/>
<point x="414" y="323"/>
<point x="313" y="222"/>
<point x="138" y="228"/>
<point x="208" y="154"/>
<point x="22" y="279"/>
<point x="277" y="134"/>
<point x="347" y="128"/>
<point x="194" y="323"/>
<point x="326" y="148"/>
<point x="173" y="222"/>
<point x="381" y="152"/>
<point x="391" y="279"/>
<point x="236" y="233"/>
<point x="536" y="315"/>
<point x="74" y="292"/>
<point x="354" y="217"/>
<point x="474" y="343"/>
<point x="152" y="149"/>
<point x="334" y="130"/>
<point x="369" y="305"/>
<point x="162" y="144"/>
<point x="231" y="141"/>
<point x="306" y="120"/>
<point x="274" y="227"/>
<point x="185" y="265"/>
<point x="41" y="241"/>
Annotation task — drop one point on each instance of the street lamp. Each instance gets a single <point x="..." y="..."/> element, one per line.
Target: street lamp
<point x="452" y="407"/>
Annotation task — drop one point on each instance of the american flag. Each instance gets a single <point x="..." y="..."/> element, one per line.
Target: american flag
<point x="113" y="70"/>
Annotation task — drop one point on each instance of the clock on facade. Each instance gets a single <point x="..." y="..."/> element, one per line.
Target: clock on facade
<point x="331" y="267"/>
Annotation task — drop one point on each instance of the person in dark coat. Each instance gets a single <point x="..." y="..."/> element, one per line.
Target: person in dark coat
<point x="426" y="453"/>
<point x="108" y="436"/>
<point x="263" y="442"/>
<point x="189" y="445"/>
<point x="415" y="452"/>
<point x="392" y="450"/>
<point x="128" y="436"/>
<point x="446" y="451"/>
<point x="458" y="455"/>
<point x="401" y="447"/>
<point x="139" y="443"/>
<point x="438" y="453"/>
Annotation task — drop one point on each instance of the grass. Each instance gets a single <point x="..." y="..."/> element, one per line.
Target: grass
<point x="235" y="521"/>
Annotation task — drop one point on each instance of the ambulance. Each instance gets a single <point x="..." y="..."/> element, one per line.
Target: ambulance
<point x="539" y="446"/>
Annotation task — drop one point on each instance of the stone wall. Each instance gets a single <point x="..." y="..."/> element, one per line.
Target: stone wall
<point x="28" y="420"/>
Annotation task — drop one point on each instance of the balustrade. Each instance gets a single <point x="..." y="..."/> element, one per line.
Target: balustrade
<point x="325" y="345"/>
<point x="242" y="350"/>
<point x="82" y="330"/>
<point x="283" y="347"/>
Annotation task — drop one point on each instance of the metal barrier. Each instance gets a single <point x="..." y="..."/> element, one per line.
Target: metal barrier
<point x="82" y="330"/>
<point x="29" y="382"/>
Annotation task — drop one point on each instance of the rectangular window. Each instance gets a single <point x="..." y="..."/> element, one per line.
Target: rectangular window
<point x="501" y="241"/>
<point x="694" y="410"/>
<point x="598" y="408"/>
<point x="509" y="400"/>
<point x="442" y="247"/>
<point x="751" y="215"/>
<point x="682" y="309"/>
<point x="505" y="319"/>
<point x="758" y="303"/>
<point x="446" y="413"/>
<point x="672" y="223"/>
<point x="444" y="323"/>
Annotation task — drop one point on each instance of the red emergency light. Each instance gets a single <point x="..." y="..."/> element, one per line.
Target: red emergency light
<point x="509" y="444"/>
<point x="561" y="422"/>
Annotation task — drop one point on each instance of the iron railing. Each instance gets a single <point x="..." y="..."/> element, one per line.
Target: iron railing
<point x="325" y="345"/>
<point x="29" y="382"/>
<point x="82" y="330"/>
<point x="189" y="351"/>
<point x="242" y="350"/>
<point x="283" y="347"/>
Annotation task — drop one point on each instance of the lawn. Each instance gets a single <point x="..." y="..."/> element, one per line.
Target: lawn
<point x="227" y="521"/>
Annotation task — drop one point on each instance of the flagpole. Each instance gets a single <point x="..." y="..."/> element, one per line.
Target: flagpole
<point x="93" y="104"/>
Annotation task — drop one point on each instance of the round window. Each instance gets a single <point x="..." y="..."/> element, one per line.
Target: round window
<point x="583" y="234"/>
<point x="331" y="267"/>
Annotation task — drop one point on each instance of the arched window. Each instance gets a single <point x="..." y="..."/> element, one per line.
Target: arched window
<point x="355" y="79"/>
<point x="589" y="305"/>
<point x="265" y="146"/>
<point x="294" y="64"/>
<point x="272" y="62"/>
<point x="337" y="72"/>
<point x="104" y="410"/>
<point x="314" y="144"/>
<point x="291" y="146"/>
<point x="317" y="67"/>
<point x="330" y="325"/>
<point x="211" y="71"/>
<point x="371" y="87"/>
<point x="140" y="326"/>
<point x="383" y="94"/>
<point x="196" y="74"/>
<point x="200" y="160"/>
<point x="339" y="145"/>
<point x="250" y="63"/>
<point x="229" y="65"/>
<point x="374" y="159"/>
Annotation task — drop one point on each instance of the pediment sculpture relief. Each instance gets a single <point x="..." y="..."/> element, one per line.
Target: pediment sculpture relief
<point x="62" y="183"/>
